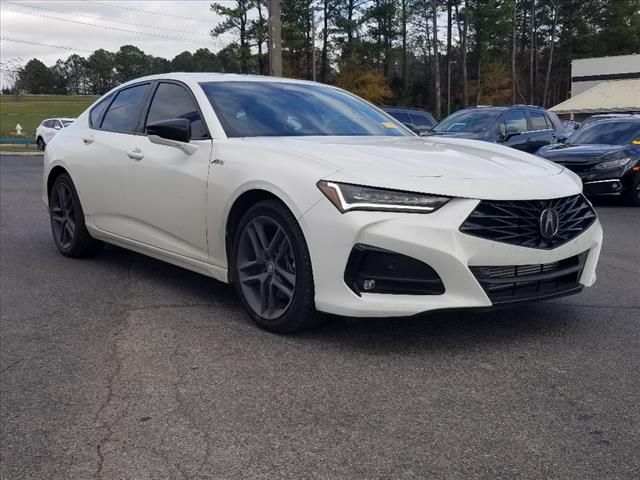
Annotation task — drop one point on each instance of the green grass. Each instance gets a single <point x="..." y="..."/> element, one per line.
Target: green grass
<point x="30" y="110"/>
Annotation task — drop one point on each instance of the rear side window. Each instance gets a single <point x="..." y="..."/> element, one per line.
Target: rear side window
<point x="173" y="101"/>
<point x="421" y="120"/>
<point x="400" y="116"/>
<point x="96" y="113"/>
<point x="124" y="112"/>
<point x="538" y="120"/>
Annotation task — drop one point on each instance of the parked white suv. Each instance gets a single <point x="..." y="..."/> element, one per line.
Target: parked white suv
<point x="48" y="129"/>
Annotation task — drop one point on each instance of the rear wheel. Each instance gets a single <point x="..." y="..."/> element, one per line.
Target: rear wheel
<point x="271" y="269"/>
<point x="632" y="195"/>
<point x="67" y="221"/>
<point x="40" y="144"/>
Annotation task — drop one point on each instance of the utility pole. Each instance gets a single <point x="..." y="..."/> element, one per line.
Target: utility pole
<point x="313" y="43"/>
<point x="275" y="39"/>
<point x="313" y="40"/>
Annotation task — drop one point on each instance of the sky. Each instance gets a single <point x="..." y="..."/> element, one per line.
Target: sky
<point x="164" y="28"/>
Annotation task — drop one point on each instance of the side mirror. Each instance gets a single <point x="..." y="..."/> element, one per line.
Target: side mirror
<point x="175" y="132"/>
<point x="510" y="132"/>
<point x="57" y="127"/>
<point x="177" y="129"/>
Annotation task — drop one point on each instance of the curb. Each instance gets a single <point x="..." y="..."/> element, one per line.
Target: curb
<point x="22" y="154"/>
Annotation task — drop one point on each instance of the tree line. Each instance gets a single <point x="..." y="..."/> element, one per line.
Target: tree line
<point x="437" y="54"/>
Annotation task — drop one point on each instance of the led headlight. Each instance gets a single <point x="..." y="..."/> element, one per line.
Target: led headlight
<point x="619" y="162"/>
<point x="347" y="197"/>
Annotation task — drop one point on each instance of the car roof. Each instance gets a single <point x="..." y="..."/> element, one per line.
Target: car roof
<point x="625" y="119"/>
<point x="199" y="77"/>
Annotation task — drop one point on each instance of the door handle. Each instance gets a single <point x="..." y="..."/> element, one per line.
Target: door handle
<point x="88" y="140"/>
<point x="136" y="154"/>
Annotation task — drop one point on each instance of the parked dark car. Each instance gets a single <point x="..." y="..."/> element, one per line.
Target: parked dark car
<point x="418" y="120"/>
<point x="606" y="116"/>
<point x="523" y="127"/>
<point x="606" y="155"/>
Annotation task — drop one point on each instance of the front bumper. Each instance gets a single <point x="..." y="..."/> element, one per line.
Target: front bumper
<point x="432" y="238"/>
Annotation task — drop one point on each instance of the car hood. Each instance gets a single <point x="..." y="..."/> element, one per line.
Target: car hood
<point x="468" y="135"/>
<point x="566" y="153"/>
<point x="438" y="165"/>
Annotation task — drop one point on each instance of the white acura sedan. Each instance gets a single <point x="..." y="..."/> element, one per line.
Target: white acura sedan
<point x="308" y="198"/>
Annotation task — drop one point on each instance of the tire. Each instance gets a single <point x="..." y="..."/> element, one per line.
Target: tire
<point x="67" y="221"/>
<point x="271" y="269"/>
<point x="631" y="196"/>
<point x="40" y="144"/>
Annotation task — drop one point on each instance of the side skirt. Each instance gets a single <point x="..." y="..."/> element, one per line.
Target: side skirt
<point x="197" y="266"/>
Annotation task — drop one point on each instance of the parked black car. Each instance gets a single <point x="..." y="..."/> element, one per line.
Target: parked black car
<point x="418" y="120"/>
<point x="523" y="127"/>
<point x="606" y="116"/>
<point x="606" y="156"/>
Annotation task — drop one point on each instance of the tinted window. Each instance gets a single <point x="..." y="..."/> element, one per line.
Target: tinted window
<point x="421" y="120"/>
<point x="402" y="117"/>
<point x="96" y="113"/>
<point x="124" y="111"/>
<point x="515" y="120"/>
<point x="606" y="133"/>
<point x="474" y="121"/>
<point x="66" y="123"/>
<point x="173" y="101"/>
<point x="538" y="120"/>
<point x="279" y="109"/>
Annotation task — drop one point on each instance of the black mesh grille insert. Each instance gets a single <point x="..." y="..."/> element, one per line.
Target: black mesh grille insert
<point x="515" y="283"/>
<point x="519" y="222"/>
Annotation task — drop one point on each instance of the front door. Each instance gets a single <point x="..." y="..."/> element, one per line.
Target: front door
<point x="166" y="188"/>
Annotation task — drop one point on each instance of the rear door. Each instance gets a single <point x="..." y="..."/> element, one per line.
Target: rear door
<point x="166" y="188"/>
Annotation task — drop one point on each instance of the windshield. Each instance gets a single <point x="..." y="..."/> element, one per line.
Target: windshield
<point x="66" y="123"/>
<point x="472" y="121"/>
<point x="274" y="109"/>
<point x="606" y="133"/>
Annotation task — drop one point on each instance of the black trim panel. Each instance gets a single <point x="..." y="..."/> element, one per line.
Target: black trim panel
<point x="606" y="76"/>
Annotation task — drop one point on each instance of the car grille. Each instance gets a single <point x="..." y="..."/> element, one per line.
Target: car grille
<point x="519" y="222"/>
<point x="577" y="167"/>
<point x="516" y="283"/>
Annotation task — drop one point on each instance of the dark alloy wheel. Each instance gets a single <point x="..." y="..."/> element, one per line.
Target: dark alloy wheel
<point x="67" y="221"/>
<point x="40" y="144"/>
<point x="271" y="269"/>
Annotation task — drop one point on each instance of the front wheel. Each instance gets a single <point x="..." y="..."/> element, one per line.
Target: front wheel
<point x="40" y="144"/>
<point x="271" y="269"/>
<point x="632" y="195"/>
<point x="67" y="221"/>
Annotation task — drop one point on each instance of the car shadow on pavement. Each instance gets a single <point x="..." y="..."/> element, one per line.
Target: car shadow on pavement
<point x="157" y="283"/>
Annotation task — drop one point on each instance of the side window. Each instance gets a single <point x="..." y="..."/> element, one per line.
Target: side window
<point x="420" y="120"/>
<point x="124" y="112"/>
<point x="48" y="124"/>
<point x="96" y="113"/>
<point x="515" y="122"/>
<point x="549" y="122"/>
<point x="538" y="121"/>
<point x="401" y="117"/>
<point x="173" y="101"/>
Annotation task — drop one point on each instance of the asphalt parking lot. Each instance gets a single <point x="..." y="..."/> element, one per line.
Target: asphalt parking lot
<point x="122" y="367"/>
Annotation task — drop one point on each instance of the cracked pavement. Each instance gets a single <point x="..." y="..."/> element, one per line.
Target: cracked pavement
<point x="122" y="367"/>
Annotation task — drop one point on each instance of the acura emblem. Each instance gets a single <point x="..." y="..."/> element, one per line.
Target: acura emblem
<point x="549" y="223"/>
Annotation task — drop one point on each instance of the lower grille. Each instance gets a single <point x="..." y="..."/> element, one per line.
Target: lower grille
<point x="517" y="283"/>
